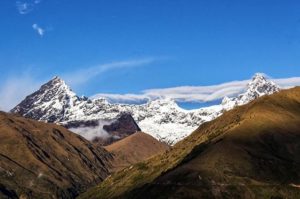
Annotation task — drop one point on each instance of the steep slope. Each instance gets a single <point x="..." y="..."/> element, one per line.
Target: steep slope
<point x="39" y="160"/>
<point x="135" y="148"/>
<point x="252" y="151"/>
<point x="163" y="119"/>
<point x="50" y="103"/>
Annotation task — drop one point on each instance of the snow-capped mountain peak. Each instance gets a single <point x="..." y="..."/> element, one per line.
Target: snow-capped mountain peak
<point x="167" y="103"/>
<point x="257" y="87"/>
<point x="49" y="102"/>
<point x="261" y="85"/>
<point x="57" y="86"/>
<point x="161" y="118"/>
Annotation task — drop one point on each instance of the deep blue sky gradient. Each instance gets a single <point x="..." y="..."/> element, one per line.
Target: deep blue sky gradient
<point x="196" y="42"/>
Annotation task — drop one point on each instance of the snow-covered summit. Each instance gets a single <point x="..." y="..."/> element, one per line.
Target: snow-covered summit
<point x="257" y="87"/>
<point x="161" y="118"/>
<point x="49" y="103"/>
<point x="167" y="103"/>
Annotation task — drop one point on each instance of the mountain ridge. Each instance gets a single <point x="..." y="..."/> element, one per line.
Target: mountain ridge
<point x="162" y="118"/>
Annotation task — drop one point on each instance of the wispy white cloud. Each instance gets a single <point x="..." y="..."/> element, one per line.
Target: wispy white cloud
<point x="38" y="29"/>
<point x="25" y="7"/>
<point x="84" y="75"/>
<point x="288" y="82"/>
<point x="181" y="93"/>
<point x="15" y="88"/>
<point x="198" y="93"/>
<point x="124" y="98"/>
<point x="193" y="93"/>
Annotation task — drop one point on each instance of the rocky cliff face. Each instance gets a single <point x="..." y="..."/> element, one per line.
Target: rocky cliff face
<point x="161" y="118"/>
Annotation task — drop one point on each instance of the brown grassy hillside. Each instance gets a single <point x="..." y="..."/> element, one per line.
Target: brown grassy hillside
<point x="39" y="160"/>
<point x="252" y="151"/>
<point x="135" y="148"/>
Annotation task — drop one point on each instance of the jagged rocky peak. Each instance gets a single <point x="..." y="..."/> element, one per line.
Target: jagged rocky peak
<point x="225" y="100"/>
<point x="258" y="86"/>
<point x="57" y="86"/>
<point x="49" y="102"/>
<point x="101" y="100"/>
<point x="163" y="102"/>
<point x="262" y="85"/>
<point x="55" y="102"/>
<point x="56" y="80"/>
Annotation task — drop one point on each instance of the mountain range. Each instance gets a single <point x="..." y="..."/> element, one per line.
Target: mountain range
<point x="251" y="151"/>
<point x="161" y="118"/>
<point x="245" y="147"/>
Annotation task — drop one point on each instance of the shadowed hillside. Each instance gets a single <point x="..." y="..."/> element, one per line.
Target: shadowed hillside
<point x="252" y="151"/>
<point x="39" y="160"/>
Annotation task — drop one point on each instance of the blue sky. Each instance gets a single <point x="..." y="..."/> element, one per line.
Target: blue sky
<point x="149" y="44"/>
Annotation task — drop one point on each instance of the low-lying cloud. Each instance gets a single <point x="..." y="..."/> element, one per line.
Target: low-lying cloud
<point x="90" y="133"/>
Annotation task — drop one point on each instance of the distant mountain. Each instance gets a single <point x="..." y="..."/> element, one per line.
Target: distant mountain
<point x="135" y="148"/>
<point x="252" y="151"/>
<point x="39" y="160"/>
<point x="56" y="102"/>
<point x="257" y="87"/>
<point x="162" y="118"/>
